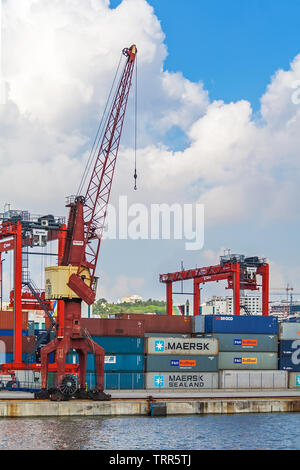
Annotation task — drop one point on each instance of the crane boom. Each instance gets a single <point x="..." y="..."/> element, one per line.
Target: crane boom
<point x="94" y="205"/>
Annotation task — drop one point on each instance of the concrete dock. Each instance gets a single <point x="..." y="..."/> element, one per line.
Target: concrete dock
<point x="127" y="403"/>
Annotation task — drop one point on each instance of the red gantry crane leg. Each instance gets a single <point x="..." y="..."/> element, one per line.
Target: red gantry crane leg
<point x="73" y="281"/>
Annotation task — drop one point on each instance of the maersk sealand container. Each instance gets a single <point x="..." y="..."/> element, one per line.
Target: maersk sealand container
<point x="256" y="324"/>
<point x="289" y="355"/>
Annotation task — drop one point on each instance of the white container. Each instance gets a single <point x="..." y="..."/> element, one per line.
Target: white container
<point x="253" y="379"/>
<point x="181" y="381"/>
<point x="183" y="346"/>
<point x="294" y="380"/>
<point x="289" y="330"/>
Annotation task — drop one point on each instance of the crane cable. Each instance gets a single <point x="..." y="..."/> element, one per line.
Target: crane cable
<point x="98" y="135"/>
<point x="135" y="127"/>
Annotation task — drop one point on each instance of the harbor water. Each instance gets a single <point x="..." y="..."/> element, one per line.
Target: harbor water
<point x="268" y="431"/>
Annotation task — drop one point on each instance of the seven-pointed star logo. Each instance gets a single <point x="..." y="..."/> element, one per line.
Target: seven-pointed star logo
<point x="159" y="346"/>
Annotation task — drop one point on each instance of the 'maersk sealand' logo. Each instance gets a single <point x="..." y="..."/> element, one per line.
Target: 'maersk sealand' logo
<point x="159" y="381"/>
<point x="159" y="346"/>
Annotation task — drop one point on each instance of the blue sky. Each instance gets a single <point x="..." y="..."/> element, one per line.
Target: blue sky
<point x="233" y="46"/>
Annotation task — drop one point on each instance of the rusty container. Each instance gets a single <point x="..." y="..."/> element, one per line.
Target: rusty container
<point x="162" y="323"/>
<point x="7" y="320"/>
<point x="7" y="344"/>
<point x="113" y="327"/>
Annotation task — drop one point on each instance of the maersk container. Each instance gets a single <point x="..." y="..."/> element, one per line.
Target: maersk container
<point x="116" y="362"/>
<point x="288" y="348"/>
<point x="182" y="346"/>
<point x="118" y="381"/>
<point x="253" y="379"/>
<point x="289" y="330"/>
<point x="181" y="381"/>
<point x="256" y="324"/>
<point x="250" y="360"/>
<point x="290" y="363"/>
<point x="161" y="363"/>
<point x="243" y="342"/>
<point x="294" y="380"/>
<point x="120" y="345"/>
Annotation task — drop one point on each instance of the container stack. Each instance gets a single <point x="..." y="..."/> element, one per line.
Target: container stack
<point x="289" y="351"/>
<point x="181" y="363"/>
<point x="248" y="350"/>
<point x="123" y="342"/>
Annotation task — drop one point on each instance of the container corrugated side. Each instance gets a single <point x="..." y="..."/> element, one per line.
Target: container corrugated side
<point x="118" y="381"/>
<point x="290" y="363"/>
<point x="120" y="345"/>
<point x="7" y="320"/>
<point x="253" y="379"/>
<point x="198" y="324"/>
<point x="113" y="327"/>
<point x="294" y="380"/>
<point x="162" y="323"/>
<point x="250" y="360"/>
<point x="167" y="335"/>
<point x="181" y="381"/>
<point x="182" y="346"/>
<point x="249" y="324"/>
<point x="112" y="363"/>
<point x="231" y="342"/>
<point x="7" y="344"/>
<point x="289" y="347"/>
<point x="161" y="363"/>
<point x="289" y="330"/>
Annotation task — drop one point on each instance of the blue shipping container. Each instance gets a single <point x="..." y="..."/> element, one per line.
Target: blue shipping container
<point x="116" y="363"/>
<point x="118" y="381"/>
<point x="287" y="348"/>
<point x="11" y="333"/>
<point x="240" y="324"/>
<point x="290" y="363"/>
<point x="9" y="357"/>
<point x="120" y="345"/>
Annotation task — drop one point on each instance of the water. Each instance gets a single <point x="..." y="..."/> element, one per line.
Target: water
<point x="240" y="432"/>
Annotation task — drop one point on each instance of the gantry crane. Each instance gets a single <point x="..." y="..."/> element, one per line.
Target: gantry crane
<point x="73" y="280"/>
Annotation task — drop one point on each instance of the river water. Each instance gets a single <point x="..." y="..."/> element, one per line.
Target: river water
<point x="239" y="432"/>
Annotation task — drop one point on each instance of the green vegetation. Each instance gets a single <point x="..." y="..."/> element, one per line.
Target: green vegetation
<point x="103" y="308"/>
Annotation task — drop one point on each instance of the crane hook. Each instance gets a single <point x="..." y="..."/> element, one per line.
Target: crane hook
<point x="135" y="178"/>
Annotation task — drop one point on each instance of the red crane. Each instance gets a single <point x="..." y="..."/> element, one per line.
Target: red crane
<point x="73" y="280"/>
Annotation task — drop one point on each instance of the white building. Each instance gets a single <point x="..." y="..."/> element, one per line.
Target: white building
<point x="132" y="299"/>
<point x="251" y="304"/>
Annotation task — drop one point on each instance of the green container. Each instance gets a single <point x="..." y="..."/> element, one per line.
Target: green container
<point x="230" y="342"/>
<point x="248" y="360"/>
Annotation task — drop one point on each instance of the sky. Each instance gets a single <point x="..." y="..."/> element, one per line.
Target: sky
<point x="218" y="119"/>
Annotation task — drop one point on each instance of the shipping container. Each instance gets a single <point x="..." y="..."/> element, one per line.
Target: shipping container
<point x="118" y="381"/>
<point x="120" y="345"/>
<point x="289" y="330"/>
<point x="7" y="320"/>
<point x="255" y="324"/>
<point x="113" y="363"/>
<point x="162" y="323"/>
<point x="290" y="363"/>
<point x="289" y="348"/>
<point x="182" y="346"/>
<point x="250" y="360"/>
<point x="7" y="344"/>
<point x="253" y="379"/>
<point x="294" y="380"/>
<point x="7" y="358"/>
<point x="112" y="327"/>
<point x="11" y="333"/>
<point x="198" y="324"/>
<point x="181" y="381"/>
<point x="243" y="342"/>
<point x="167" y="335"/>
<point x="160" y="363"/>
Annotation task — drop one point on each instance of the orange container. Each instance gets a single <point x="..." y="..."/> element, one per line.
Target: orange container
<point x="7" y="320"/>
